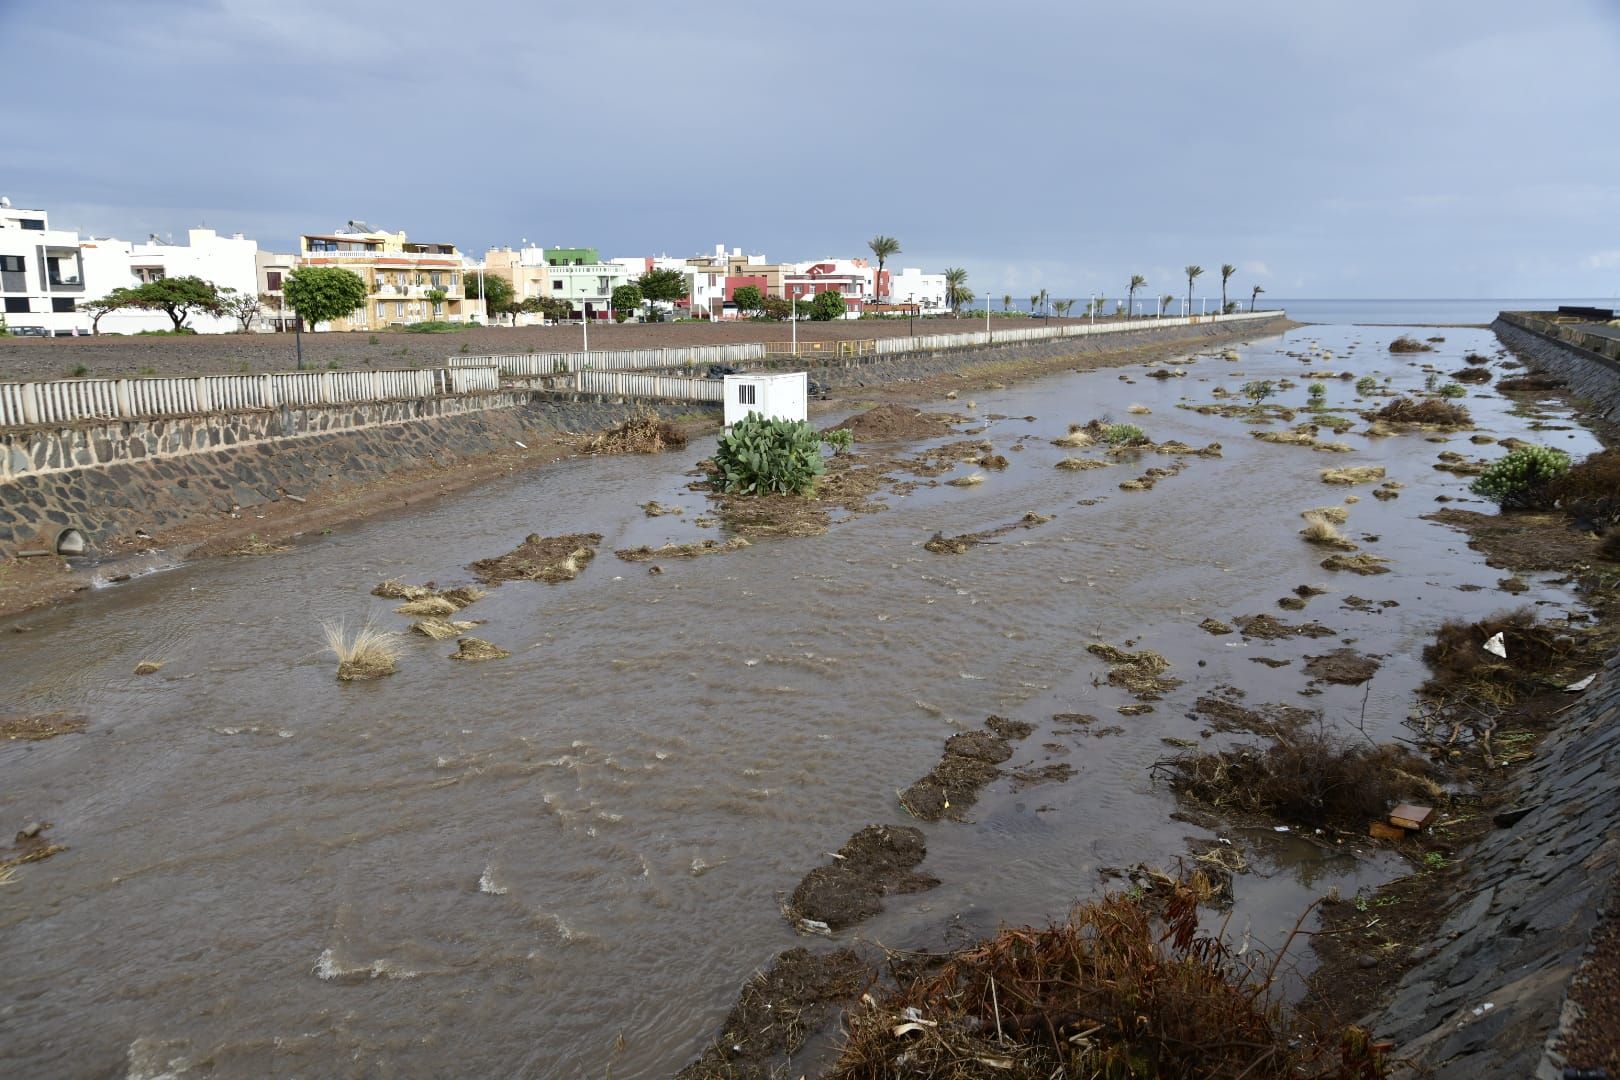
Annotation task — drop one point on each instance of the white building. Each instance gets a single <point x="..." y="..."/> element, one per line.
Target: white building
<point x="912" y="286"/>
<point x="773" y="396"/>
<point x="226" y="262"/>
<point x="41" y="274"/>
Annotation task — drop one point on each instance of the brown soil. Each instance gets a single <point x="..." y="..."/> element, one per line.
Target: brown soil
<point x="1521" y="540"/>
<point x="253" y="545"/>
<point x="1267" y="628"/>
<point x="551" y="559"/>
<point x="1594" y="1042"/>
<point x="41" y="726"/>
<point x="877" y="861"/>
<point x="969" y="763"/>
<point x="1343" y="666"/>
<point x="891" y="423"/>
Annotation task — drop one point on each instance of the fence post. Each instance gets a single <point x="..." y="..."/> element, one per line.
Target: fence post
<point x="204" y="402"/>
<point x="375" y="379"/>
<point x="30" y="403"/>
<point x="121" y="393"/>
<point x="325" y="394"/>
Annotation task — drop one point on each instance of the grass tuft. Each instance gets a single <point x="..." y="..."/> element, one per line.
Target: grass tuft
<point x="368" y="653"/>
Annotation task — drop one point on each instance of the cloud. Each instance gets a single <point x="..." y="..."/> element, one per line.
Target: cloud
<point x="1602" y="260"/>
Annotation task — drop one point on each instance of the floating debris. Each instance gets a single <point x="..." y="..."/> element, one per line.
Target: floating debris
<point x="682" y="551"/>
<point x="552" y="559"/>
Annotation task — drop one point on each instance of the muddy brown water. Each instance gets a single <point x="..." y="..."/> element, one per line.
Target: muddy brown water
<point x="565" y="863"/>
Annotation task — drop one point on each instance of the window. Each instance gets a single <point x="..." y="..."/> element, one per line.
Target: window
<point x="438" y="309"/>
<point x="382" y="309"/>
<point x="556" y="285"/>
<point x="16" y="305"/>
<point x="36" y="224"/>
<point x="272" y="280"/>
<point x="62" y="303"/>
<point x="745" y="394"/>
<point x="399" y="309"/>
<point x="11" y="264"/>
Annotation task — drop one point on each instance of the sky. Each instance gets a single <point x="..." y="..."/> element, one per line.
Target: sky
<point x="1358" y="148"/>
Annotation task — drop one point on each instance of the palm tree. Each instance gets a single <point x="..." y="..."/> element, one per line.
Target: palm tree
<point x="1006" y="303"/>
<point x="1064" y="307"/>
<point x="956" y="291"/>
<point x="882" y="247"/>
<point x="1192" y="272"/>
<point x="1164" y="303"/>
<point x="1255" y="295"/>
<point x="1044" y="301"/>
<point x="1137" y="281"/>
<point x="1034" y="302"/>
<point x="1227" y="270"/>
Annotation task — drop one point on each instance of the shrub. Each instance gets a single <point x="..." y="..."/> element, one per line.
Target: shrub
<point x="1259" y="390"/>
<point x="1471" y="375"/>
<point x="435" y="328"/>
<point x="1406" y="344"/>
<point x="1453" y="390"/>
<point x="1405" y="410"/>
<point x="1366" y="384"/>
<point x="1520" y="479"/>
<point x="1476" y="358"/>
<point x="80" y="371"/>
<point x="1609" y="547"/>
<point x="1317" y="390"/>
<point x="1124" y="435"/>
<point x="840" y="439"/>
<point x="373" y="339"/>
<point x="759" y="456"/>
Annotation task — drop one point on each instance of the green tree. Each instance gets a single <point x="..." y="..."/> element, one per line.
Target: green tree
<point x="828" y="306"/>
<point x="882" y="247"/>
<point x="956" y="290"/>
<point x="496" y="292"/>
<point x="748" y="299"/>
<point x="179" y="298"/>
<point x="1137" y="281"/>
<point x="1227" y="270"/>
<point x="113" y="301"/>
<point x="625" y="300"/>
<point x="776" y="308"/>
<point x="323" y="293"/>
<point x="1034" y="302"/>
<point x="435" y="297"/>
<point x="1192" y="274"/>
<point x="666" y="286"/>
<point x="1255" y="295"/>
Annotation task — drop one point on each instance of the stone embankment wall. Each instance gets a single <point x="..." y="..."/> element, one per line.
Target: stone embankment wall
<point x="107" y="479"/>
<point x="1591" y="375"/>
<point x="1488" y="999"/>
<point x="189" y="467"/>
<point x="1489" y="996"/>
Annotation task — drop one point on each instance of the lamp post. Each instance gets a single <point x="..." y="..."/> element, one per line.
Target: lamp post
<point x="793" y="321"/>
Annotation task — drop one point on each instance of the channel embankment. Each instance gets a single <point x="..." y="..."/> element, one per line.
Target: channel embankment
<point x="118" y="485"/>
<point x="1498" y="989"/>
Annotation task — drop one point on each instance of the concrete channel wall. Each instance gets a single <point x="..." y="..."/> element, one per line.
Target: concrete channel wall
<point x="1569" y="354"/>
<point x="1490" y="995"/>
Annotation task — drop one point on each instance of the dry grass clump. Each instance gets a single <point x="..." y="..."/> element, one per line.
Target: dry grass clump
<point x="1591" y="489"/>
<point x="1471" y="375"/>
<point x="1141" y="673"/>
<point x="642" y="433"/>
<point x="1355" y="474"/>
<point x="1138" y="410"/>
<point x="1476" y="358"/>
<point x="1336" y="514"/>
<point x="1077" y="464"/>
<point x="970" y="480"/>
<point x="1408" y="344"/>
<point x="1290" y="438"/>
<point x="441" y="629"/>
<point x="368" y="653"/>
<point x="1462" y="667"/>
<point x="430" y="606"/>
<point x="1363" y="564"/>
<point x="1307" y="778"/>
<point x="394" y="589"/>
<point x="1428" y="411"/>
<point x="149" y="667"/>
<point x="1122" y="988"/>
<point x="463" y="595"/>
<point x="551" y="559"/>
<point x="682" y="551"/>
<point x="1078" y="436"/>
<point x="41" y="726"/>
<point x="1320" y="530"/>
<point x="475" y="649"/>
<point x="1532" y="383"/>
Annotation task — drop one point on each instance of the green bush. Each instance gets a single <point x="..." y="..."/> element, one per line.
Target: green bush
<point x="1317" y="390"/>
<point x="434" y="328"/>
<point x="1366" y="384"/>
<point x="1520" y="479"/>
<point x="1452" y="389"/>
<point x="840" y="439"/>
<point x="1124" y="435"/>
<point x="759" y="457"/>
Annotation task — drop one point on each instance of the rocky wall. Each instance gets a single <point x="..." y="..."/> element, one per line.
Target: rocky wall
<point x="1590" y="375"/>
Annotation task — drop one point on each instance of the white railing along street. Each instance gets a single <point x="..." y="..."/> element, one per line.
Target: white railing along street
<point x="563" y="362"/>
<point x="635" y="384"/>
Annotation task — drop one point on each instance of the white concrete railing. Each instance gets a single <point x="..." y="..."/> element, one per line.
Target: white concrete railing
<point x="633" y="384"/>
<point x="564" y="362"/>
<point x="65" y="401"/>
<point x="925" y="343"/>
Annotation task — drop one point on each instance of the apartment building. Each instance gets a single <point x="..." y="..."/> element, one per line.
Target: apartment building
<point x="41" y="275"/>
<point x="912" y="286"/>
<point x="401" y="276"/>
<point x="227" y="262"/>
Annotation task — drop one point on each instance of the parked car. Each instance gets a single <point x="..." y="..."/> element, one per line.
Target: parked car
<point x="29" y="331"/>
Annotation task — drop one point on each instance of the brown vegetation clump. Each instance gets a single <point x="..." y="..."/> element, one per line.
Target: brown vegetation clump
<point x="1320" y="529"/>
<point x="1306" y="778"/>
<point x="1354" y="474"/>
<point x="1428" y="412"/>
<point x="1476" y="358"/>
<point x="1471" y="375"/>
<point x="1463" y="667"/>
<point x="642" y="433"/>
<point x="1079" y="464"/>
<point x="1141" y="673"/>
<point x="1124" y="987"/>
<point x="777" y="1010"/>
<point x="1530" y="383"/>
<point x="887" y="423"/>
<point x="1338" y="515"/>
<point x="551" y="559"/>
<point x="368" y="653"/>
<point x="431" y="606"/>
<point x="41" y="726"/>
<point x="441" y="629"/>
<point x="1591" y="489"/>
<point x="1408" y="344"/>
<point x="1609" y="546"/>
<point x="1077" y="437"/>
<point x="1357" y="564"/>
<point x="149" y="667"/>
<point x="877" y="860"/>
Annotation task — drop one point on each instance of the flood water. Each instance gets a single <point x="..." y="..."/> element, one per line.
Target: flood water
<point x="565" y="863"/>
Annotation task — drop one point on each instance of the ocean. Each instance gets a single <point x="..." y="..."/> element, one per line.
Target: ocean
<point x="1390" y="312"/>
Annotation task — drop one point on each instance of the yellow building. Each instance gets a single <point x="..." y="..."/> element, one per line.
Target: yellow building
<point x="402" y="277"/>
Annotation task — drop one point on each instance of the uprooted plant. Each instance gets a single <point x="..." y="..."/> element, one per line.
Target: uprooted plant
<point x="1118" y="989"/>
<point x="643" y="432"/>
<point x="1428" y="411"/>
